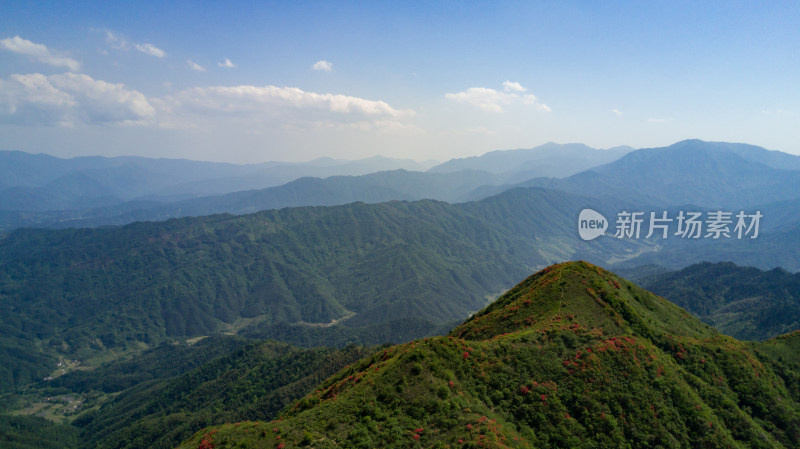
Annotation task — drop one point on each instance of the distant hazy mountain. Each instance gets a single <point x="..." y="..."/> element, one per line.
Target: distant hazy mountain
<point x="548" y="160"/>
<point x="777" y="245"/>
<point x="38" y="182"/>
<point x="122" y="177"/>
<point x="370" y="188"/>
<point x="694" y="172"/>
<point x="279" y="173"/>
<point x="743" y="302"/>
<point x="770" y="158"/>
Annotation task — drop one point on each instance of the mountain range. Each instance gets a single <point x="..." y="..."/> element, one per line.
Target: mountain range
<point x="358" y="273"/>
<point x="688" y="173"/>
<point x="398" y="269"/>
<point x="49" y="192"/>
<point x="38" y="183"/>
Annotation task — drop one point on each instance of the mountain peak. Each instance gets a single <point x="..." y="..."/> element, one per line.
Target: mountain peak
<point x="579" y="295"/>
<point x="686" y="142"/>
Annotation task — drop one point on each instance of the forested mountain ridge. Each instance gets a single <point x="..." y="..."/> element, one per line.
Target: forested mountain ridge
<point x="744" y="302"/>
<point x="80" y="291"/>
<point x="574" y="356"/>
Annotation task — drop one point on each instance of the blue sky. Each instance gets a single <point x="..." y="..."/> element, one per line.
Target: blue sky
<point x="257" y="81"/>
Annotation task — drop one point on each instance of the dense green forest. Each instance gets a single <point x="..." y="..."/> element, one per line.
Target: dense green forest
<point x="162" y="397"/>
<point x="81" y="292"/>
<point x="744" y="302"/>
<point x="574" y="356"/>
<point x="27" y="432"/>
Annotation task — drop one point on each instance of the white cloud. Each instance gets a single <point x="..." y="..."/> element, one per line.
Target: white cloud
<point x="69" y="99"/>
<point x="150" y="49"/>
<point x="617" y="112"/>
<point x="508" y="86"/>
<point x="227" y="64"/>
<point x="248" y="99"/>
<point x="493" y="100"/>
<point x="121" y="43"/>
<point x="259" y="107"/>
<point x="484" y="98"/>
<point x="323" y="66"/>
<point x="38" y="52"/>
<point x="195" y="66"/>
<point x="116" y="42"/>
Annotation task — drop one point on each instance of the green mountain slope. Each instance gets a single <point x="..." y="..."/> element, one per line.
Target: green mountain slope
<point x="163" y="396"/>
<point x="185" y="277"/>
<point x="417" y="265"/>
<point x="27" y="432"/>
<point x="253" y="383"/>
<point x="743" y="302"/>
<point x="574" y="356"/>
<point x="79" y="292"/>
